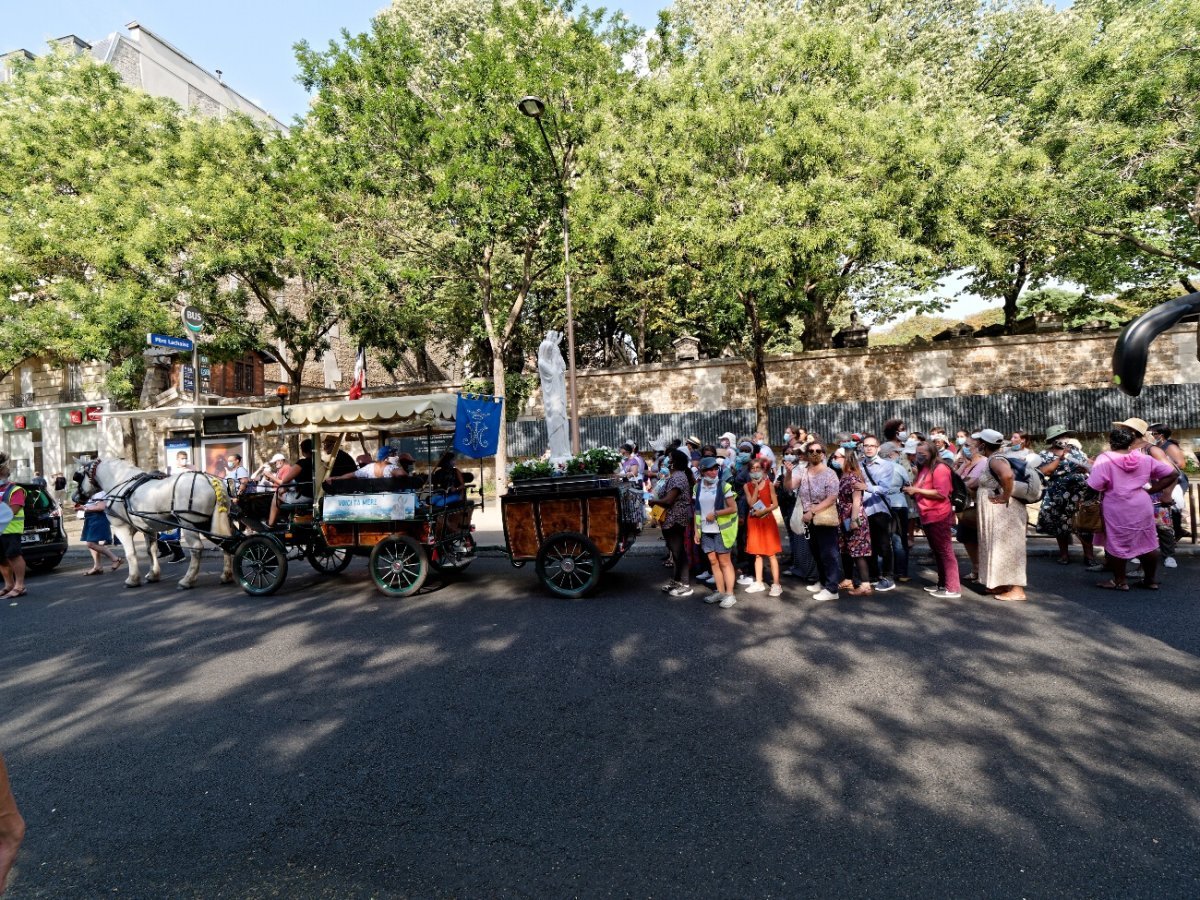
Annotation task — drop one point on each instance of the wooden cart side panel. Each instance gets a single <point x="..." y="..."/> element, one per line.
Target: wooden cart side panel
<point x="338" y="535"/>
<point x="557" y="516"/>
<point x="370" y="535"/>
<point x="604" y="523"/>
<point x="353" y="534"/>
<point x="520" y="529"/>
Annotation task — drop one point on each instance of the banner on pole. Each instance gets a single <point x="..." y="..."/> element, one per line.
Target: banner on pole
<point x="477" y="425"/>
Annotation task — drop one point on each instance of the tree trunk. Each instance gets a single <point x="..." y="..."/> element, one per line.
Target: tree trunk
<point x="758" y="362"/>
<point x="499" y="391"/>
<point x="818" y="333"/>
<point x="1014" y="292"/>
<point x="641" y="335"/>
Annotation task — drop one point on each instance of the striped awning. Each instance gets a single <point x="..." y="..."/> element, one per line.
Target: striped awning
<point x="417" y="412"/>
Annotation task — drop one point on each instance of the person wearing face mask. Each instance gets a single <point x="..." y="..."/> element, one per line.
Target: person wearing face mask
<point x="894" y="436"/>
<point x="802" y="565"/>
<point x="931" y="489"/>
<point x="716" y="529"/>
<point x="1065" y="471"/>
<point x="879" y="475"/>
<point x="854" y="536"/>
<point x="818" y="493"/>
<point x="762" y="538"/>
<point x="1002" y="522"/>
<point x="677" y="501"/>
<point x="739" y="478"/>
<point x="1169" y="507"/>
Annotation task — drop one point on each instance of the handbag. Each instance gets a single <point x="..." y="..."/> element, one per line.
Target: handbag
<point x="828" y="516"/>
<point x="1089" y="516"/>
<point x="969" y="518"/>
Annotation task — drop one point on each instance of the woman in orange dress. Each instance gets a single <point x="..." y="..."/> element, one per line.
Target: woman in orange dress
<point x="762" y="531"/>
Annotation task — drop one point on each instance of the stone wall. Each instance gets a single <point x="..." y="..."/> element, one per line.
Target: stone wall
<point x="982" y="366"/>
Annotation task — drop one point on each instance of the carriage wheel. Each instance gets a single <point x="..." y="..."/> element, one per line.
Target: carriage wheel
<point x="398" y="566"/>
<point x="328" y="560"/>
<point x="260" y="564"/>
<point x="569" y="565"/>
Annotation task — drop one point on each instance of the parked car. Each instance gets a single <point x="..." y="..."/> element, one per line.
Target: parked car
<point x="44" y="542"/>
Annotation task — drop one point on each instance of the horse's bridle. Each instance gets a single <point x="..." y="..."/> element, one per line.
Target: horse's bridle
<point x="88" y="473"/>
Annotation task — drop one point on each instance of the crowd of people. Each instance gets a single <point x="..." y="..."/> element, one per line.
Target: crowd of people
<point x="853" y="506"/>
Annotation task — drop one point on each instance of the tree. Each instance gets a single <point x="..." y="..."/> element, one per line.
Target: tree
<point x="437" y="165"/>
<point x="786" y="170"/>
<point x="1124" y="107"/>
<point x="85" y="263"/>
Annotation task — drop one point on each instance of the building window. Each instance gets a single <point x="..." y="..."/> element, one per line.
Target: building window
<point x="243" y="377"/>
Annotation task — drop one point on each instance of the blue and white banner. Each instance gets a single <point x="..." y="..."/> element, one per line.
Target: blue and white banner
<point x="369" y="507"/>
<point x="477" y="425"/>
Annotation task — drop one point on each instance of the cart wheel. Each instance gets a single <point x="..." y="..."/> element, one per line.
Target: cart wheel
<point x="260" y="564"/>
<point x="328" y="560"/>
<point x="569" y="565"/>
<point x="398" y="566"/>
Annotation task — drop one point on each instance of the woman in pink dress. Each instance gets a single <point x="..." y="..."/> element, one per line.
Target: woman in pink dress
<point x="1128" y="481"/>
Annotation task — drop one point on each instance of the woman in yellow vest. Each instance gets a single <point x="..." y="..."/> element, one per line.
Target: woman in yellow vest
<point x="12" y="518"/>
<point x="716" y="528"/>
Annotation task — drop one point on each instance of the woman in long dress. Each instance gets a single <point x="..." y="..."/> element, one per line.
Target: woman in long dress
<point x="1128" y="480"/>
<point x="1002" y="522"/>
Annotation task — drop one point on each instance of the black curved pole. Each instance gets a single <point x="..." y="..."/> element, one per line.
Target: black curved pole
<point x="1133" y="346"/>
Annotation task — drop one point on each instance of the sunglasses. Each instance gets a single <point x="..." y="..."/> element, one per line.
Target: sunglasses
<point x="816" y="452"/>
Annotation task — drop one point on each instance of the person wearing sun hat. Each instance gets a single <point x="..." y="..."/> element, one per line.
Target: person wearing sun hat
<point x="1065" y="470"/>
<point x="1001" y="522"/>
<point x="1128" y="480"/>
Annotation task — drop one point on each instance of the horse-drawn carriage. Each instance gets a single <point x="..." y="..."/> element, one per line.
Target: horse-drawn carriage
<point x="406" y="526"/>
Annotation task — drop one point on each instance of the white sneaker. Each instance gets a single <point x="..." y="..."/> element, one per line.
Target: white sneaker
<point x="947" y="595"/>
<point x="824" y="595"/>
<point x="756" y="587"/>
<point x="814" y="588"/>
<point x="933" y="589"/>
<point x="745" y="579"/>
<point x="714" y="597"/>
<point x="669" y="586"/>
<point x="776" y="590"/>
<point x="681" y="590"/>
<point x="707" y="578"/>
<point x="728" y="601"/>
<point x="1169" y="562"/>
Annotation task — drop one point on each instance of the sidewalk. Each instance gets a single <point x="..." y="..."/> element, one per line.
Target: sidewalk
<point x="489" y="536"/>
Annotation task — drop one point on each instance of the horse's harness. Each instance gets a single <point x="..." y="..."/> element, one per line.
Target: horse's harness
<point x="122" y="491"/>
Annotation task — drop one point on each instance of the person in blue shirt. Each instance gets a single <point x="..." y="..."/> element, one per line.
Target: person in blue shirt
<point x="879" y="475"/>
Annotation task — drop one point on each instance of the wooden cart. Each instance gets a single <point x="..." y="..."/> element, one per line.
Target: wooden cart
<point x="573" y="528"/>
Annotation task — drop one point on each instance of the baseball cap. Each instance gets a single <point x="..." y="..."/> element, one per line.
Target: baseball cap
<point x="709" y="462"/>
<point x="989" y="436"/>
<point x="383" y="453"/>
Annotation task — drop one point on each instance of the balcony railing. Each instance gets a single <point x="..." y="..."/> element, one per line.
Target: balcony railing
<point x="71" y="395"/>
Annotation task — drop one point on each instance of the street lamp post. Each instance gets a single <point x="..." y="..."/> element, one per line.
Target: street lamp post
<point x="534" y="107"/>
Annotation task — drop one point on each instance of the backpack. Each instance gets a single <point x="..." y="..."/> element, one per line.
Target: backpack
<point x="960" y="499"/>
<point x="1027" y="480"/>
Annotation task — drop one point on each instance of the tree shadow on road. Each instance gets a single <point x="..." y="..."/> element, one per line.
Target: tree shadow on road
<point x="487" y="739"/>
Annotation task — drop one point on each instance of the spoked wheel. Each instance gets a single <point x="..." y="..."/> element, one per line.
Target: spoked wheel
<point x="260" y="565"/>
<point x="569" y="565"/>
<point x="398" y="566"/>
<point x="328" y="560"/>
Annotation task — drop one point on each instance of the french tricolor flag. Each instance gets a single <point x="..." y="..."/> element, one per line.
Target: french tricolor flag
<point x="360" y="375"/>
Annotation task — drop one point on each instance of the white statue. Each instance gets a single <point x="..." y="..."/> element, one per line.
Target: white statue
<point x="552" y="371"/>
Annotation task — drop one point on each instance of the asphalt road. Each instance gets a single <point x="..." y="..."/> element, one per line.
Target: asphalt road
<point x="484" y="739"/>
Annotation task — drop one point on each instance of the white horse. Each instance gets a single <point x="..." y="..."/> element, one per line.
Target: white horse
<point x="138" y="502"/>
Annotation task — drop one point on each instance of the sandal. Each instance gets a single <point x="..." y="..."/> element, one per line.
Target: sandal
<point x="94" y="572"/>
<point x="13" y="595"/>
<point x="120" y="562"/>
<point x="1149" y="586"/>
<point x="1112" y="586"/>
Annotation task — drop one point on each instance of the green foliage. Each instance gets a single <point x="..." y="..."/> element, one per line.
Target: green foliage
<point x="518" y="388"/>
<point x="597" y="461"/>
<point x="531" y="468"/>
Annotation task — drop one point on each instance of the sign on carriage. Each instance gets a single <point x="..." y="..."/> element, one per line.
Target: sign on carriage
<point x="369" y="507"/>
